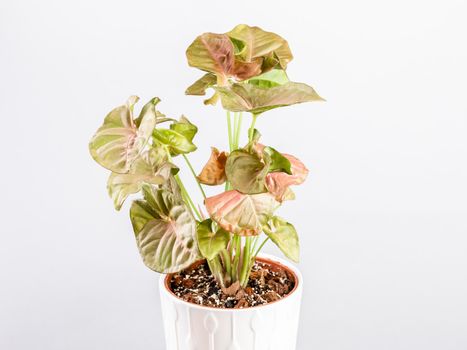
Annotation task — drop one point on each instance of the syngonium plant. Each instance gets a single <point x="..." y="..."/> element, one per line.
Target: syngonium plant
<point x="246" y="69"/>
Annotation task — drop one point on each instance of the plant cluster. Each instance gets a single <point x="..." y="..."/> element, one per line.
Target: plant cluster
<point x="246" y="69"/>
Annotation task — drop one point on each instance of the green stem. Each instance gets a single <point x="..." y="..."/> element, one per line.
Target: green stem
<point x="229" y="127"/>
<point x="238" y="250"/>
<point x="238" y="129"/>
<point x="215" y="266"/>
<point x="227" y="262"/>
<point x="261" y="247"/>
<point x="246" y="262"/>
<point x="194" y="175"/>
<point x="187" y="197"/>
<point x="251" y="131"/>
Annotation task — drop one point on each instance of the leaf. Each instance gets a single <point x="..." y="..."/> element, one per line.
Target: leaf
<point x="119" y="142"/>
<point x="213" y="173"/>
<point x="254" y="99"/>
<point x="278" y="183"/>
<point x="246" y="172"/>
<point x="165" y="231"/>
<point x="176" y="142"/>
<point x="240" y="213"/>
<point x="259" y="43"/>
<point x="149" y="108"/>
<point x="284" y="235"/>
<point x="270" y="79"/>
<point x="211" y="243"/>
<point x="120" y="186"/>
<point x="185" y="127"/>
<point x="278" y="162"/>
<point x="200" y="86"/>
<point x="212" y="53"/>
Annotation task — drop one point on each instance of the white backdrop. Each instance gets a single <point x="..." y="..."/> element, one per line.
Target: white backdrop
<point x="382" y="217"/>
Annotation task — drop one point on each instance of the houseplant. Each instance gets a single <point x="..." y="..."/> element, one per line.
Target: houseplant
<point x="246" y="70"/>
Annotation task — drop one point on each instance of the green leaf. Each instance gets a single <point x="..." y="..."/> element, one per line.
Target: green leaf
<point x="270" y="79"/>
<point x="284" y="235"/>
<point x="165" y="231"/>
<point x="185" y="127"/>
<point x="211" y="243"/>
<point x="149" y="109"/>
<point x="246" y="172"/>
<point x="259" y="43"/>
<point x="119" y="142"/>
<point x="254" y="99"/>
<point x="278" y="162"/>
<point x="200" y="86"/>
<point x="240" y="213"/>
<point x="176" y="142"/>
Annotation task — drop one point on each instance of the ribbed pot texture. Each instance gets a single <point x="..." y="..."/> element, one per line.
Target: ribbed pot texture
<point x="269" y="327"/>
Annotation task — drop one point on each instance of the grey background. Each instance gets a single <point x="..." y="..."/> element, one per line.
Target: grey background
<point x="382" y="218"/>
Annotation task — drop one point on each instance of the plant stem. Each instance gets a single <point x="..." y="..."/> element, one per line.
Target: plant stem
<point x="251" y="131"/>
<point x="238" y="249"/>
<point x="246" y="262"/>
<point x="194" y="175"/>
<point x="229" y="128"/>
<point x="238" y="129"/>
<point x="227" y="262"/>
<point x="261" y="247"/>
<point x="215" y="266"/>
<point x="187" y="197"/>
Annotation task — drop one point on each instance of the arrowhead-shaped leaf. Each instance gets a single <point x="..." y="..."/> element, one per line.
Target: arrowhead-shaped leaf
<point x="278" y="183"/>
<point x="246" y="172"/>
<point x="213" y="173"/>
<point x="284" y="235"/>
<point x="165" y="231"/>
<point x="119" y="142"/>
<point x="255" y="43"/>
<point x="240" y="213"/>
<point x="211" y="243"/>
<point x="244" y="97"/>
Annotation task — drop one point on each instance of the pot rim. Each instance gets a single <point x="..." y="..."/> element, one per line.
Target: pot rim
<point x="164" y="287"/>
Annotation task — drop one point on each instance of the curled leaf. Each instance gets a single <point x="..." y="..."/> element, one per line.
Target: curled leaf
<point x="270" y="79"/>
<point x="278" y="183"/>
<point x="284" y="235"/>
<point x="165" y="231"/>
<point x="246" y="172"/>
<point x="240" y="213"/>
<point x="211" y="243"/>
<point x="213" y="173"/>
<point x="200" y="86"/>
<point x="278" y="162"/>
<point x="253" y="42"/>
<point x="255" y="99"/>
<point x="119" y="141"/>
<point x="185" y="127"/>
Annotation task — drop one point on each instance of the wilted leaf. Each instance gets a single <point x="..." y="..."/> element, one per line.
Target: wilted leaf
<point x="211" y="243"/>
<point x="213" y="172"/>
<point x="259" y="43"/>
<point x="278" y="183"/>
<point x="240" y="213"/>
<point x="199" y="87"/>
<point x="119" y="142"/>
<point x="254" y="99"/>
<point x="246" y="172"/>
<point x="165" y="231"/>
<point x="284" y="235"/>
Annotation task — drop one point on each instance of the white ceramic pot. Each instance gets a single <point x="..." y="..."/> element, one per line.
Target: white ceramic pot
<point x="269" y="327"/>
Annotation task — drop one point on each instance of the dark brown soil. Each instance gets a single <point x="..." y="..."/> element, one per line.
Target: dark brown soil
<point x="267" y="283"/>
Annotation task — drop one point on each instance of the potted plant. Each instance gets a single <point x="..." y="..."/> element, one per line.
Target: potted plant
<point x="216" y="291"/>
